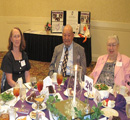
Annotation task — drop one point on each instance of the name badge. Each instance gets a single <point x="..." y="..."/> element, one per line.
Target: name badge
<point x="23" y="63"/>
<point x="118" y="63"/>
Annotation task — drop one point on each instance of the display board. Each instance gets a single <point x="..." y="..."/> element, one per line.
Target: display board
<point x="75" y="18"/>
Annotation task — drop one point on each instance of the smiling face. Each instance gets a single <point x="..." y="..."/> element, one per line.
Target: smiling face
<point x="67" y="35"/>
<point x="112" y="47"/>
<point x="16" y="38"/>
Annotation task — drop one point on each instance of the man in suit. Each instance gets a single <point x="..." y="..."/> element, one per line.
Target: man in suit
<point x="76" y="54"/>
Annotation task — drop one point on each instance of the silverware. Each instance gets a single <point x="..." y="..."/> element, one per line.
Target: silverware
<point x="26" y="86"/>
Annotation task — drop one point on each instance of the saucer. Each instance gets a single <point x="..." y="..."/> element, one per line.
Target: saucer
<point x="34" y="106"/>
<point x="21" y="118"/>
<point x="90" y="96"/>
<point x="33" y="114"/>
<point x="109" y="112"/>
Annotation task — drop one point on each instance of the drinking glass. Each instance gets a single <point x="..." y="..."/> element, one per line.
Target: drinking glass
<point x="22" y="96"/>
<point x="116" y="90"/>
<point x="4" y="116"/>
<point x="39" y="101"/>
<point x="128" y="109"/>
<point x="16" y="90"/>
<point x="39" y="85"/>
<point x="33" y="81"/>
<point x="59" y="80"/>
<point x="123" y="90"/>
<point x="12" y="113"/>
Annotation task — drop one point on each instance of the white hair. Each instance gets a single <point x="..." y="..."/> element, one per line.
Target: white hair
<point x="115" y="37"/>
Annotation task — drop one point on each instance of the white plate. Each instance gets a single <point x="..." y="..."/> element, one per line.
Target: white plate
<point x="28" y="101"/>
<point x="34" y="116"/>
<point x="21" y="117"/>
<point x="109" y="112"/>
<point x="86" y="95"/>
<point x="108" y="106"/>
<point x="66" y="93"/>
<point x="43" y="106"/>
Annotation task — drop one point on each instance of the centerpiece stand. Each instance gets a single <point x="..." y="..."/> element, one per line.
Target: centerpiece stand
<point x="64" y="109"/>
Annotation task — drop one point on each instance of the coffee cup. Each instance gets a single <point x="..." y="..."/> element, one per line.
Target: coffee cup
<point x="111" y="103"/>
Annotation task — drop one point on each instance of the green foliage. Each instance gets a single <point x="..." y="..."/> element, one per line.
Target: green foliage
<point x="94" y="116"/>
<point x="65" y="78"/>
<point x="101" y="87"/>
<point x="6" y="96"/>
<point x="97" y="112"/>
<point x="52" y="107"/>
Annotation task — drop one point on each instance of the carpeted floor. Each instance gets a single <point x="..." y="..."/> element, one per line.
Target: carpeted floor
<point x="40" y="69"/>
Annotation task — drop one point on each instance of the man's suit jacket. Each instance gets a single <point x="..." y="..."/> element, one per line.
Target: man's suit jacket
<point x="121" y="72"/>
<point x="78" y="56"/>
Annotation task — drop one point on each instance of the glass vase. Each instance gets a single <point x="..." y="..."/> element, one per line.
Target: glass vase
<point x="74" y="89"/>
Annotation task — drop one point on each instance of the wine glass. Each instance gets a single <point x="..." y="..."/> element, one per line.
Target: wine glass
<point x="59" y="80"/>
<point x="116" y="90"/>
<point x="22" y="96"/>
<point x="39" y="101"/>
<point x="39" y="85"/>
<point x="16" y="91"/>
<point x="33" y="81"/>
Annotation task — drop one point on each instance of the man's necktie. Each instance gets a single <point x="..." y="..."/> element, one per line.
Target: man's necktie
<point x="64" y="64"/>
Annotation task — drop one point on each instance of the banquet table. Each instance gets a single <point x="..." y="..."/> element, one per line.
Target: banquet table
<point x="40" y="46"/>
<point x="122" y="115"/>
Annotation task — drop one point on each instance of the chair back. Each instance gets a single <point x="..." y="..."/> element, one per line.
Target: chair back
<point x="3" y="82"/>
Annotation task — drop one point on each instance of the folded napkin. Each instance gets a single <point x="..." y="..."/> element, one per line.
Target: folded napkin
<point x="28" y="118"/>
<point x="47" y="82"/>
<point x="120" y="103"/>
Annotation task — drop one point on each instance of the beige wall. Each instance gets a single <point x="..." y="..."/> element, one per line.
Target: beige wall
<point x="107" y="17"/>
<point x="104" y="10"/>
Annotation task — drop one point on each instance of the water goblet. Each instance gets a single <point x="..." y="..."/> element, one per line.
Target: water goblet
<point x="128" y="109"/>
<point x="16" y="91"/>
<point x="59" y="80"/>
<point x="33" y="81"/>
<point x="22" y="96"/>
<point x="116" y="90"/>
<point x="39" y="85"/>
<point x="4" y="115"/>
<point x="39" y="101"/>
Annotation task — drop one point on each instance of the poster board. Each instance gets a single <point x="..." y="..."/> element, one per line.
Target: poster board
<point x="84" y="20"/>
<point x="60" y="18"/>
<point x="57" y="21"/>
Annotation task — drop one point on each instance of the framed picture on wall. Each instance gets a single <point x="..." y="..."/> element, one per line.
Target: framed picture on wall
<point x="57" y="21"/>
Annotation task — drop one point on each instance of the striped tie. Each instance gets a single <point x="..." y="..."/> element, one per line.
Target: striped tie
<point x="64" y="64"/>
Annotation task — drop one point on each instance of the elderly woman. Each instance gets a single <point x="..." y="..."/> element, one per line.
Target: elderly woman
<point x="15" y="63"/>
<point x="113" y="68"/>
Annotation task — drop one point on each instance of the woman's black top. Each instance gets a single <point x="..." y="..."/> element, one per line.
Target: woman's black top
<point x="16" y="67"/>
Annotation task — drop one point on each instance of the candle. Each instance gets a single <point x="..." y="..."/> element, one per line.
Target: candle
<point x="75" y="82"/>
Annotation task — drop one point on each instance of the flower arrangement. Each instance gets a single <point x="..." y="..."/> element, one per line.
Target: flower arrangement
<point x="48" y="26"/>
